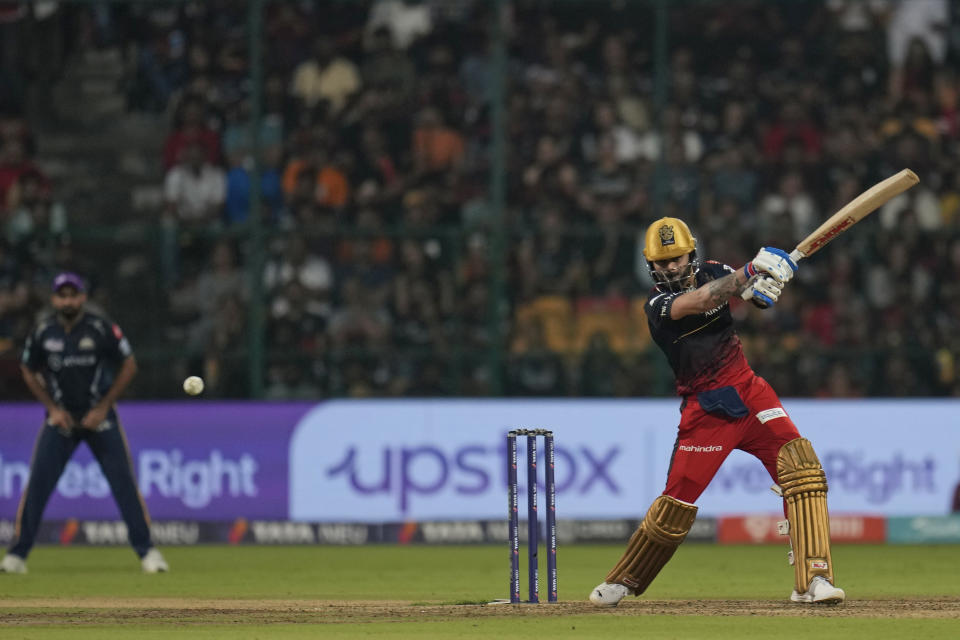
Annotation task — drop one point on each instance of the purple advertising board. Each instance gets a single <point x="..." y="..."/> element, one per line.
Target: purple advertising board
<point x="413" y="460"/>
<point x="193" y="460"/>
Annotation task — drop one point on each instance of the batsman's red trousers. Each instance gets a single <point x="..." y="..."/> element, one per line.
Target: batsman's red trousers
<point x="704" y="440"/>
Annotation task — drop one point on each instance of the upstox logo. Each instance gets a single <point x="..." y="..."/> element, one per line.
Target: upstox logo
<point x="408" y="472"/>
<point x="445" y="460"/>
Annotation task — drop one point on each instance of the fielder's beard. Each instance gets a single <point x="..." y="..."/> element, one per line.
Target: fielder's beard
<point x="69" y="314"/>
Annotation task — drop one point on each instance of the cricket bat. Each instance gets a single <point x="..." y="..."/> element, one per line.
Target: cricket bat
<point x="851" y="213"/>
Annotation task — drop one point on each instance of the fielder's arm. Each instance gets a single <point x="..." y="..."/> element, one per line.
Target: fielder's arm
<point x="127" y="371"/>
<point x="56" y="415"/>
<point x="33" y="381"/>
<point x="709" y="296"/>
<point x="98" y="414"/>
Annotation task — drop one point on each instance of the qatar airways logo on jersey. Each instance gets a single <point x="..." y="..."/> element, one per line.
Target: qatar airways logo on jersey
<point x="710" y="448"/>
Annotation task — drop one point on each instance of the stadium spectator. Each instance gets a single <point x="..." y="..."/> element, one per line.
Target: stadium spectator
<point x="358" y="319"/>
<point x="296" y="263"/>
<point x="198" y="300"/>
<point x="223" y="373"/>
<point x="290" y="381"/>
<point x="387" y="71"/>
<point x="14" y="163"/>
<point x="788" y="214"/>
<point x="194" y="189"/>
<point x="377" y="127"/>
<point x="331" y="187"/>
<point x="326" y="77"/>
<point x="911" y="24"/>
<point x="238" y="131"/>
<point x="238" y="183"/>
<point x="33" y="216"/>
<point x="190" y="129"/>
<point x="436" y="147"/>
<point x="535" y="370"/>
<point x="601" y="372"/>
<point x="405" y="21"/>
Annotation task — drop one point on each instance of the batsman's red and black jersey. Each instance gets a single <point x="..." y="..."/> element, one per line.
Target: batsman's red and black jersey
<point x="704" y="350"/>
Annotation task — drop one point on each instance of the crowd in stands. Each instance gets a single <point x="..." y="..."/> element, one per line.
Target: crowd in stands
<point x="386" y="270"/>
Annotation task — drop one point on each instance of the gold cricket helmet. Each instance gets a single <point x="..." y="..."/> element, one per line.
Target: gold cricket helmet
<point x="668" y="238"/>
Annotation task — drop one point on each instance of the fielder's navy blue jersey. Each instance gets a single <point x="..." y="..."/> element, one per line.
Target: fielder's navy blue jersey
<point x="703" y="349"/>
<point x="78" y="367"/>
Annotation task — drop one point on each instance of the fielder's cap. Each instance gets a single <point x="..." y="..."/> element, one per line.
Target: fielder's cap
<point x="68" y="278"/>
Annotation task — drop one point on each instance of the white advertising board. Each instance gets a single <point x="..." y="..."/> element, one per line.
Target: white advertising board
<point x="398" y="460"/>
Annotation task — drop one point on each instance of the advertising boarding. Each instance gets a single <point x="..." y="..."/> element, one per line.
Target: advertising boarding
<point x="193" y="461"/>
<point x="416" y="460"/>
<point x="379" y="461"/>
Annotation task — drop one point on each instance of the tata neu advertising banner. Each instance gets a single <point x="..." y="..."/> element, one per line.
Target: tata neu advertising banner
<point x="379" y="461"/>
<point x="759" y="529"/>
<point x="193" y="460"/>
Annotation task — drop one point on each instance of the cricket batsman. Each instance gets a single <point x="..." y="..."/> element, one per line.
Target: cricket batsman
<point x="725" y="406"/>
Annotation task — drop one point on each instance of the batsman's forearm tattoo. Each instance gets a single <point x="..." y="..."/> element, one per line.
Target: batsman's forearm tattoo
<point x="725" y="288"/>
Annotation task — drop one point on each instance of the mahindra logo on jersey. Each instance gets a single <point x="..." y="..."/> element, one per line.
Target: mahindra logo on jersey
<point x="710" y="448"/>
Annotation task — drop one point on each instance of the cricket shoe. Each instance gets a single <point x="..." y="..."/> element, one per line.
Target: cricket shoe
<point x="153" y="562"/>
<point x="13" y="564"/>
<point x="820" y="592"/>
<point x="609" y="594"/>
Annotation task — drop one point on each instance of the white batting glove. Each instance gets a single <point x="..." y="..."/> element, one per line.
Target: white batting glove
<point x="766" y="292"/>
<point x="775" y="262"/>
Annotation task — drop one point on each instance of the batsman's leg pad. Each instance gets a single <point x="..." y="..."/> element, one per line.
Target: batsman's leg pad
<point x="804" y="486"/>
<point x="663" y="529"/>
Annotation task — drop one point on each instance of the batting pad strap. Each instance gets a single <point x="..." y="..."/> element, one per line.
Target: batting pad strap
<point x="801" y="481"/>
<point x="804" y="486"/>
<point x="653" y="543"/>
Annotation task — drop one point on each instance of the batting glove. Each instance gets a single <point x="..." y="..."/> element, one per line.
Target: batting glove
<point x="766" y="292"/>
<point x="775" y="262"/>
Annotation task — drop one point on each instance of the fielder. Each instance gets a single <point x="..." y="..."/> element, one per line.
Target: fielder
<point x="77" y="364"/>
<point x="725" y="406"/>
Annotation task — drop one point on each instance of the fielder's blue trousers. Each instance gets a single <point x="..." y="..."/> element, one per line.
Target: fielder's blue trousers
<point x="51" y="454"/>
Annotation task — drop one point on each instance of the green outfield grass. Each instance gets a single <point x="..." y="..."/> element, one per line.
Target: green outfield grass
<point x="434" y="592"/>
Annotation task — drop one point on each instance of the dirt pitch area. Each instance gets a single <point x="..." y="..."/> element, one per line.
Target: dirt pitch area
<point x="176" y="612"/>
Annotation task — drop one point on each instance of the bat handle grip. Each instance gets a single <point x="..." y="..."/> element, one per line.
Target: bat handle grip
<point x="796" y="255"/>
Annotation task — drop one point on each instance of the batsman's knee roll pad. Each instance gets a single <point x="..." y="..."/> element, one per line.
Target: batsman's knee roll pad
<point x="663" y="529"/>
<point x="804" y="486"/>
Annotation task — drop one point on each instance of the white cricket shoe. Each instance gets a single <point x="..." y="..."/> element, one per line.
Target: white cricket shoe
<point x="13" y="564"/>
<point x="607" y="594"/>
<point x="153" y="562"/>
<point x="820" y="592"/>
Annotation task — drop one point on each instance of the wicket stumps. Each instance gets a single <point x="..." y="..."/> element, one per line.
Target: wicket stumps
<point x="533" y="519"/>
